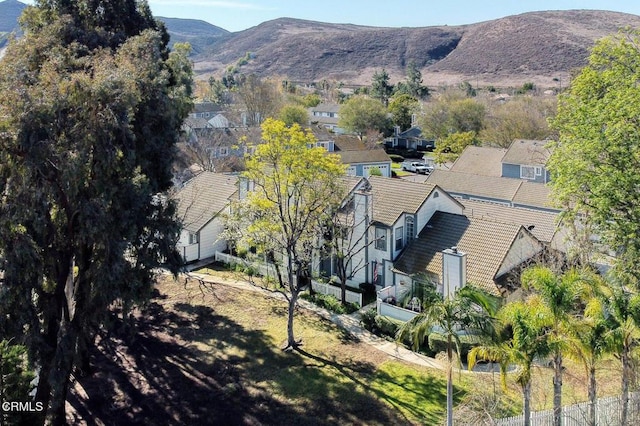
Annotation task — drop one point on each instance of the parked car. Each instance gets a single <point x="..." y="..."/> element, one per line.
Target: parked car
<point x="416" y="167"/>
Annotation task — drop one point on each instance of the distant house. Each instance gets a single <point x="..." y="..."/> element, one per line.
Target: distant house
<point x="359" y="158"/>
<point x="201" y="201"/>
<point x="527" y="159"/>
<point x="410" y="139"/>
<point x="205" y="110"/>
<point x="326" y="116"/>
<point x="515" y="176"/>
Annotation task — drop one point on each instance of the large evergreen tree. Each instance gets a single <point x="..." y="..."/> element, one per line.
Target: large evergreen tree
<point x="92" y="103"/>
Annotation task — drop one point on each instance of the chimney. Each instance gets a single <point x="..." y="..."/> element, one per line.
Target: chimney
<point x="454" y="271"/>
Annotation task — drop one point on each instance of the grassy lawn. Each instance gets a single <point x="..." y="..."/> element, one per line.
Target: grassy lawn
<point x="397" y="167"/>
<point x="211" y="355"/>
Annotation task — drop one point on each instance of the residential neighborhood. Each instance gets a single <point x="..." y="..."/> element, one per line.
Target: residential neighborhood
<point x="373" y="222"/>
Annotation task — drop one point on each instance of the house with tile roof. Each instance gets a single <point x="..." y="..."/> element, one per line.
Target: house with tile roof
<point x="527" y="159"/>
<point x="359" y="158"/>
<point x="392" y="213"/>
<point x="201" y="203"/>
<point x="494" y="253"/>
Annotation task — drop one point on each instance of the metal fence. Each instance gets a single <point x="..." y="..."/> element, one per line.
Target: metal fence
<point x="607" y="414"/>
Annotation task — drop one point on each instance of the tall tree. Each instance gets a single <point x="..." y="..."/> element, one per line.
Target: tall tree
<point x="560" y="295"/>
<point x="361" y="114"/>
<point x="523" y="339"/>
<point x="414" y="82"/>
<point x="294" y="190"/>
<point x="470" y="309"/>
<point x="402" y="109"/>
<point x="597" y="155"/>
<point x="450" y="113"/>
<point x="261" y="99"/>
<point x="92" y="104"/>
<point x="381" y="89"/>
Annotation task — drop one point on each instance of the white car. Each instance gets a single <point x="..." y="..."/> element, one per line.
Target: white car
<point x="416" y="167"/>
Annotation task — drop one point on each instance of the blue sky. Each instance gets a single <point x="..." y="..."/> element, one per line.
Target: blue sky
<point x="236" y="15"/>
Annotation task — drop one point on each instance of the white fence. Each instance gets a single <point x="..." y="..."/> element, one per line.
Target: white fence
<point x="269" y="270"/>
<point x="388" y="294"/>
<point x="607" y="414"/>
<point x="325" y="288"/>
<point x="190" y="252"/>
<point x="263" y="268"/>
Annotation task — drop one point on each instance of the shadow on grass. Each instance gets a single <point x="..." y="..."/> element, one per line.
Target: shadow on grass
<point x="189" y="365"/>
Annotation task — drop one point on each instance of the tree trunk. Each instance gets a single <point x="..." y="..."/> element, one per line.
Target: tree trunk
<point x="592" y="396"/>
<point x="526" y="403"/>
<point x="557" y="389"/>
<point x="60" y="375"/>
<point x="293" y="300"/>
<point x="449" y="381"/>
<point x="626" y="376"/>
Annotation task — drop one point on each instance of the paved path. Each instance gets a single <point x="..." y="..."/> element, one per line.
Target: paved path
<point x="350" y="323"/>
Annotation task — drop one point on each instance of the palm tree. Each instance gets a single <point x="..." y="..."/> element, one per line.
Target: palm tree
<point x="624" y="308"/>
<point x="588" y="345"/>
<point x="560" y="295"/>
<point x="470" y="310"/>
<point x="524" y="338"/>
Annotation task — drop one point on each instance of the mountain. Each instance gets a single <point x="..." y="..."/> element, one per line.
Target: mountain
<point x="538" y="47"/>
<point x="10" y="10"/>
<point x="200" y="34"/>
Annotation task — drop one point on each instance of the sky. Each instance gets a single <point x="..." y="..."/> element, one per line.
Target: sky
<point x="237" y="15"/>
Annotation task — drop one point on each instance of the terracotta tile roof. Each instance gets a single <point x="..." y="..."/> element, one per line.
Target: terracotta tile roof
<point x="392" y="197"/>
<point x="486" y="244"/>
<point x="203" y="197"/>
<point x="480" y="160"/>
<point x="542" y="224"/>
<point x="468" y="183"/>
<point x="527" y="152"/>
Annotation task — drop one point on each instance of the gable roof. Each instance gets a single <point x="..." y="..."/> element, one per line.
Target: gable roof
<point x="480" y="160"/>
<point x="494" y="187"/>
<point x="325" y="107"/>
<point x="204" y="197"/>
<point x="527" y="152"/>
<point x="518" y="192"/>
<point x="486" y="244"/>
<point x="542" y="224"/>
<point x="364" y="156"/>
<point x="393" y="197"/>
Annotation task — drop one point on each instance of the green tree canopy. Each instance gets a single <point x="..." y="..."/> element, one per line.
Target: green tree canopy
<point x="381" y="89"/>
<point x="449" y="149"/>
<point x="451" y="113"/>
<point x="402" y="108"/>
<point x="295" y="190"/>
<point x="92" y="104"/>
<point x="596" y="159"/>
<point x="360" y="114"/>
<point x="294" y="114"/>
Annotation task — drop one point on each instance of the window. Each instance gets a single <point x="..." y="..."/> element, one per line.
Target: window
<point x="193" y="238"/>
<point x="223" y="151"/>
<point x="527" y="172"/>
<point x="411" y="230"/>
<point x="538" y="171"/>
<point x="399" y="237"/>
<point x="381" y="239"/>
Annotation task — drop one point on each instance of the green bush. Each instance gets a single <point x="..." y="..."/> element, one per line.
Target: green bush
<point x="368" y="319"/>
<point x="396" y="158"/>
<point x="330" y="303"/>
<point x="438" y="343"/>
<point x="387" y="326"/>
<point x="250" y="271"/>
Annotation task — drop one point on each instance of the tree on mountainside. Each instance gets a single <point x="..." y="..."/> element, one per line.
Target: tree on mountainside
<point x="595" y="160"/>
<point x="91" y="108"/>
<point x="294" y="190"/>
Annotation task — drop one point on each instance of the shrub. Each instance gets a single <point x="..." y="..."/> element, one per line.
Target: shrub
<point x="250" y="271"/>
<point x="387" y="326"/>
<point x="438" y="343"/>
<point x="396" y="158"/>
<point x="368" y="320"/>
<point x="330" y="303"/>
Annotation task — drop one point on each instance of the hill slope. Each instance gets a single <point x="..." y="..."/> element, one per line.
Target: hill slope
<point x="541" y="47"/>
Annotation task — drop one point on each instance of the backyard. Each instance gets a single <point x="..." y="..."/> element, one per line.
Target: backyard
<point x="211" y="355"/>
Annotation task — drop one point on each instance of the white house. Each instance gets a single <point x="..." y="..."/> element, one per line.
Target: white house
<point x="201" y="201"/>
